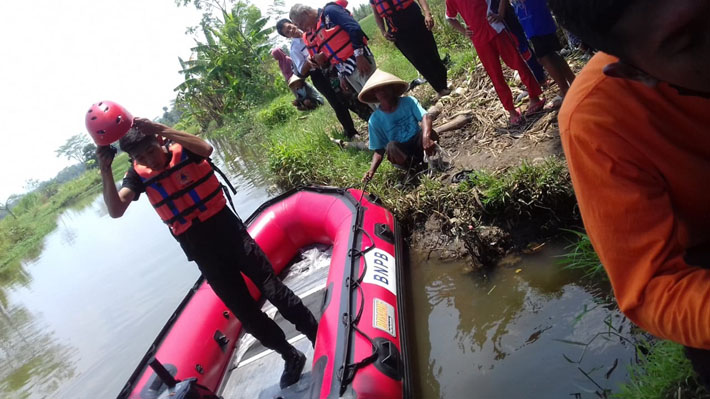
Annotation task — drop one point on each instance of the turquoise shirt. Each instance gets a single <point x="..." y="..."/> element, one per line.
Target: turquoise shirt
<point x="400" y="126"/>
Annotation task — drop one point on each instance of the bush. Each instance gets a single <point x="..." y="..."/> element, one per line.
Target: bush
<point x="278" y="112"/>
<point x="662" y="372"/>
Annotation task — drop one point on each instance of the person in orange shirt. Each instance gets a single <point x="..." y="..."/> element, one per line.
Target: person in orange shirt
<point x="635" y="128"/>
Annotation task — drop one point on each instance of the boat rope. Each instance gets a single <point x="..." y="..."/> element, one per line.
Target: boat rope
<point x="224" y="188"/>
<point x="347" y="371"/>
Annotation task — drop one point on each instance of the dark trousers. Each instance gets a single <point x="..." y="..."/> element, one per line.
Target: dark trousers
<point x="417" y="44"/>
<point x="223" y="249"/>
<point x="322" y="83"/>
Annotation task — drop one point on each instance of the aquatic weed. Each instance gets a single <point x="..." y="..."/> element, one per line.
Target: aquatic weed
<point x="662" y="372"/>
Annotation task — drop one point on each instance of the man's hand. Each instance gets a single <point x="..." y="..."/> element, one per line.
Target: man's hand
<point x="105" y="156"/>
<point x="344" y="85"/>
<point x="312" y="64"/>
<point x="148" y="127"/>
<point x="493" y="18"/>
<point x="388" y="35"/>
<point x="363" y="65"/>
<point x="429" y="145"/>
<point x="368" y="175"/>
<point x="321" y="60"/>
<point x="428" y="21"/>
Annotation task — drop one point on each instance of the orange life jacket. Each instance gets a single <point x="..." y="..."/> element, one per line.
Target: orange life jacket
<point x="186" y="190"/>
<point x="334" y="42"/>
<point x="385" y="8"/>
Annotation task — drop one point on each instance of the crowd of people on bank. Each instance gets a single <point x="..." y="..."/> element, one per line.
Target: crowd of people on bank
<point x="328" y="43"/>
<point x="633" y="125"/>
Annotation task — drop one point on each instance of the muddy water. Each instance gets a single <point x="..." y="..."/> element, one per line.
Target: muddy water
<point x="517" y="332"/>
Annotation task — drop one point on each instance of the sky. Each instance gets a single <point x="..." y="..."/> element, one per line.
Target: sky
<point x="59" y="57"/>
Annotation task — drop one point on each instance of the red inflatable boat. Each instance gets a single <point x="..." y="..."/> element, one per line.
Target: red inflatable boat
<point x="360" y="350"/>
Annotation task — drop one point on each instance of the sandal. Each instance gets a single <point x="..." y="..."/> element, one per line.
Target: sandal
<point x="535" y="108"/>
<point x="516" y="120"/>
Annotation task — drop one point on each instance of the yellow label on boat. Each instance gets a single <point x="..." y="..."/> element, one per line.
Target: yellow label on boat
<point x="383" y="317"/>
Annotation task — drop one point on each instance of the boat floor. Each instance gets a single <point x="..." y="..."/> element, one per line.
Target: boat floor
<point x="255" y="370"/>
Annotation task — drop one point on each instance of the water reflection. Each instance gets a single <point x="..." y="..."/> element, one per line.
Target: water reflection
<point x="33" y="363"/>
<point x="76" y="319"/>
<point x="506" y="335"/>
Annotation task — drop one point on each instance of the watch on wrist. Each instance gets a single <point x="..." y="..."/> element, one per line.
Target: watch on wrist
<point x="358" y="52"/>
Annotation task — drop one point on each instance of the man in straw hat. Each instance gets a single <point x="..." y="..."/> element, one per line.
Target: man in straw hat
<point x="399" y="127"/>
<point x="306" y="96"/>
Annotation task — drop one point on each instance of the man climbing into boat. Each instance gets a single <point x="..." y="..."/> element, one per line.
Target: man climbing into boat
<point x="180" y="183"/>
<point x="399" y="128"/>
<point x="634" y="127"/>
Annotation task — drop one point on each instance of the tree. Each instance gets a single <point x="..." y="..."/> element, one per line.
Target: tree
<point x="362" y="11"/>
<point x="88" y="154"/>
<point x="229" y="71"/>
<point x="74" y="148"/>
<point x="7" y="205"/>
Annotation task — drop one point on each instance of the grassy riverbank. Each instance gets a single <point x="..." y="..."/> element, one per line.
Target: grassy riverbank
<point x="662" y="370"/>
<point x="35" y="216"/>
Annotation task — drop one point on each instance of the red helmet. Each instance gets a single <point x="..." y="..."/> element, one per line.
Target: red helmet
<point x="107" y="122"/>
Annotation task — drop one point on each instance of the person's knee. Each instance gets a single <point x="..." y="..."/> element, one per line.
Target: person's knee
<point x="395" y="154"/>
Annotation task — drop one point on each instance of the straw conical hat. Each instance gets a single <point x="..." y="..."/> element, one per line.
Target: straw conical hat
<point x="378" y="79"/>
<point x="294" y="78"/>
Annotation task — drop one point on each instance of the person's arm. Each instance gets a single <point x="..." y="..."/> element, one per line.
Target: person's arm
<point x="189" y="141"/>
<point x="499" y="16"/>
<point x="428" y="20"/>
<point x="381" y="24"/>
<point x="117" y="201"/>
<point x="632" y="224"/>
<point x="427" y="140"/>
<point x="377" y="158"/>
<point x="339" y="16"/>
<point x="457" y="26"/>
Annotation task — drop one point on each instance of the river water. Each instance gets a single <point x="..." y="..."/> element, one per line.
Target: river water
<point x="76" y="320"/>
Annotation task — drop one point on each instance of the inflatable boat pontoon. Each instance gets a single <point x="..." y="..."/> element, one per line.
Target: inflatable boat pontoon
<point x="361" y="347"/>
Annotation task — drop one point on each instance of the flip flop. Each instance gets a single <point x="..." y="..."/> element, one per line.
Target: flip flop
<point x="537" y="107"/>
<point x="516" y="120"/>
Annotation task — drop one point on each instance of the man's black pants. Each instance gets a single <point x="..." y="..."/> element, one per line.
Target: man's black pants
<point x="223" y="249"/>
<point x="417" y="44"/>
<point x="322" y="83"/>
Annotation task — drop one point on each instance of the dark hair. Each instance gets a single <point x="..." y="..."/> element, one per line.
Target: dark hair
<point x="593" y="21"/>
<point x="134" y="142"/>
<point x="280" y="25"/>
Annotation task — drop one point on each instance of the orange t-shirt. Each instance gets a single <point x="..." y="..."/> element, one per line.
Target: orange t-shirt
<point x="639" y="158"/>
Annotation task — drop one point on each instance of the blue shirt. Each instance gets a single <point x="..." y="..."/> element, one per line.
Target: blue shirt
<point x="535" y="17"/>
<point x="400" y="126"/>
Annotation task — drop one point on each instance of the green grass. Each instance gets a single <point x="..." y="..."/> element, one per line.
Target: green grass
<point x="36" y="214"/>
<point x="581" y="257"/>
<point x="662" y="372"/>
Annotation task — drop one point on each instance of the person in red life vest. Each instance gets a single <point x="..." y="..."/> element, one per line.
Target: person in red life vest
<point x="492" y="42"/>
<point x="304" y="67"/>
<point x="400" y="128"/>
<point x="410" y="31"/>
<point x="180" y="183"/>
<point x="634" y="128"/>
<point x="335" y="38"/>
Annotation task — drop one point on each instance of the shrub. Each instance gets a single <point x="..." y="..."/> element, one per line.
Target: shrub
<point x="278" y="112"/>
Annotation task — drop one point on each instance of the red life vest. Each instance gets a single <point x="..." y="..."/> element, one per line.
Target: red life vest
<point x="385" y="8"/>
<point x="186" y="190"/>
<point x="334" y="42"/>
